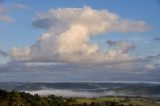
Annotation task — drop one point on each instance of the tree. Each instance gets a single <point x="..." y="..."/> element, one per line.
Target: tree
<point x="14" y="99"/>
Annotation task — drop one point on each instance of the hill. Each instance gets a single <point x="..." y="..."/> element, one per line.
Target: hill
<point x="14" y="98"/>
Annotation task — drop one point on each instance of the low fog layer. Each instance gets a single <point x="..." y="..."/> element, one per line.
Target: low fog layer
<point x="72" y="93"/>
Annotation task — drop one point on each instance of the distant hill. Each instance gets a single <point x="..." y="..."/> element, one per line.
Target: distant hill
<point x="91" y="89"/>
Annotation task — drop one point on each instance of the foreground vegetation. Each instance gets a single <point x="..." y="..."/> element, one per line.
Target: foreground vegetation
<point x="14" y="98"/>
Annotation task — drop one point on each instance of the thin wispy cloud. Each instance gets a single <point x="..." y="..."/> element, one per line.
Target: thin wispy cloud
<point x="4" y="14"/>
<point x="21" y="6"/>
<point x="5" y="11"/>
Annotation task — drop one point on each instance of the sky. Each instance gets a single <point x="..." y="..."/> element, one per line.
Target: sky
<point x="79" y="40"/>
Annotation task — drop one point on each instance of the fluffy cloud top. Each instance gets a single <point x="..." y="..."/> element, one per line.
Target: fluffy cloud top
<point x="67" y="36"/>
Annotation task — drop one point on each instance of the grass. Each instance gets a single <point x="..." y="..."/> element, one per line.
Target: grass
<point x="123" y="100"/>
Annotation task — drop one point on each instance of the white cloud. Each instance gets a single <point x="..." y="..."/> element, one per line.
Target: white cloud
<point x="67" y="36"/>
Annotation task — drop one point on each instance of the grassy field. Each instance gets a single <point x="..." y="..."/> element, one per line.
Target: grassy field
<point x="137" y="101"/>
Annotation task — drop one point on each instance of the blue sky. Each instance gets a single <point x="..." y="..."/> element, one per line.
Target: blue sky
<point x="24" y="29"/>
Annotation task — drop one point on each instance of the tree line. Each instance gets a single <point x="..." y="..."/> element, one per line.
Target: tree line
<point x="14" y="98"/>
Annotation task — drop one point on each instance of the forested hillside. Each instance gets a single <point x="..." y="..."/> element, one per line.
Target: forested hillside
<point x="14" y="98"/>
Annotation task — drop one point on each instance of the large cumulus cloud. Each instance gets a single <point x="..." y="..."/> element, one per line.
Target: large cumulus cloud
<point x="67" y="37"/>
